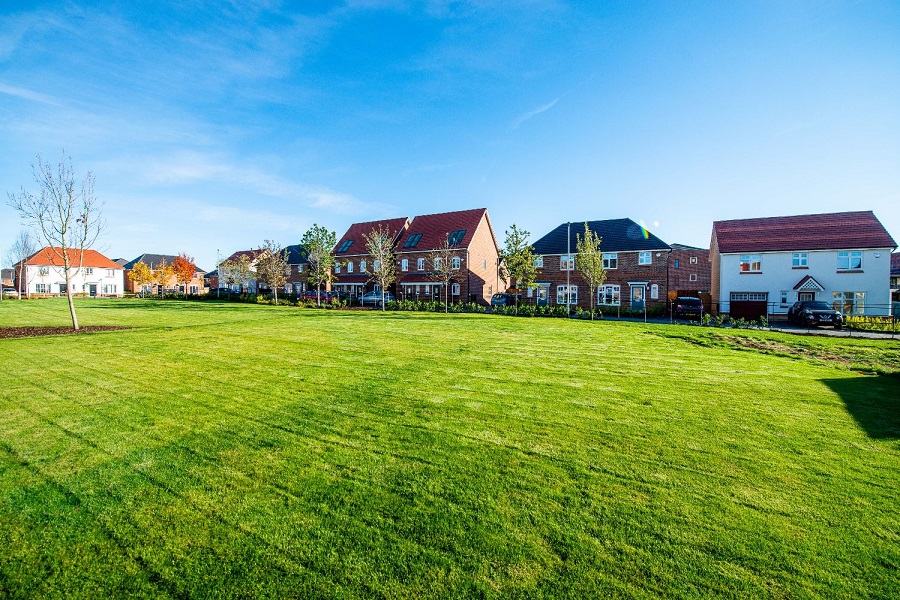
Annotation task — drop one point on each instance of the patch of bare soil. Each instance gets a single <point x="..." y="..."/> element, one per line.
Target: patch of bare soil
<point x="20" y="332"/>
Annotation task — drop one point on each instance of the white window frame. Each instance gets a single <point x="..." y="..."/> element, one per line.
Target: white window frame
<point x="455" y="289"/>
<point x="337" y="267"/>
<point x="375" y="265"/>
<point x="854" y="301"/>
<point x="799" y="260"/>
<point x="538" y="262"/>
<point x="784" y="297"/>
<point x="438" y="263"/>
<point x="645" y="258"/>
<point x="89" y="270"/>
<point x="404" y="264"/>
<point x="753" y="263"/>
<point x="693" y="260"/>
<point x="43" y="270"/>
<point x="692" y="277"/>
<point x="561" y="295"/>
<point x="846" y="262"/>
<point x="349" y="266"/>
<point x="610" y="292"/>
<point x="455" y="263"/>
<point x="567" y="262"/>
<point x="610" y="260"/>
<point x="420" y="264"/>
<point x="654" y="291"/>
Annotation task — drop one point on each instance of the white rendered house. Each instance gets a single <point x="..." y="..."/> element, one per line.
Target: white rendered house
<point x="762" y="266"/>
<point x="96" y="276"/>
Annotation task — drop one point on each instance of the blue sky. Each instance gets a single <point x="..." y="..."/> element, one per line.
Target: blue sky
<point x="215" y="125"/>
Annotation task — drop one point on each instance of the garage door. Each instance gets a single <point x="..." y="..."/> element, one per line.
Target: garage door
<point x="748" y="305"/>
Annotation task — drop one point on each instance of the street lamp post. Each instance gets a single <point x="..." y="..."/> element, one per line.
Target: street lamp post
<point x="568" y="269"/>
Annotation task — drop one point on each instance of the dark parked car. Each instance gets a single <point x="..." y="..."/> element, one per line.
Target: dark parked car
<point x="687" y="307"/>
<point x="506" y="299"/>
<point x="814" y="312"/>
<point x="374" y="298"/>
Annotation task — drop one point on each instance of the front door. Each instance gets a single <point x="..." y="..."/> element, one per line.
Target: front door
<point x="806" y="296"/>
<point x="543" y="294"/>
<point x="92" y="290"/>
<point x="637" y="297"/>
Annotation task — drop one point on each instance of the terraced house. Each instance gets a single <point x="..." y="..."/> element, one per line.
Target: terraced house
<point x="475" y="257"/>
<point x="636" y="263"/>
<point x="354" y="264"/>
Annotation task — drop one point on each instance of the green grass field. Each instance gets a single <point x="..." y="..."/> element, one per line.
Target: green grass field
<point x="236" y="450"/>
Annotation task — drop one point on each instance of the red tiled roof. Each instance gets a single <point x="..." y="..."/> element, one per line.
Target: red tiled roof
<point x="827" y="231"/>
<point x="895" y="263"/>
<point x="435" y="229"/>
<point x="53" y="257"/>
<point x="358" y="230"/>
<point x="250" y="253"/>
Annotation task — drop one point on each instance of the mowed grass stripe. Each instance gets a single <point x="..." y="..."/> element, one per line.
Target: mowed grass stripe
<point x="407" y="465"/>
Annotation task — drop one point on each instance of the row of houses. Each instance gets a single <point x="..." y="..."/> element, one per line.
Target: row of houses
<point x="753" y="267"/>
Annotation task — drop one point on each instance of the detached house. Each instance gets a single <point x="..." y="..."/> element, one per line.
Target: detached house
<point x="195" y="286"/>
<point x="97" y="275"/>
<point x="762" y="266"/>
<point x="475" y="253"/>
<point x="636" y="263"/>
<point x="353" y="261"/>
<point x="230" y="278"/>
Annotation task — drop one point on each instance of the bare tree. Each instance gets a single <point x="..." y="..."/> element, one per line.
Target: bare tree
<point x="380" y="246"/>
<point x="589" y="261"/>
<point x="272" y="266"/>
<point x="447" y="265"/>
<point x="236" y="272"/>
<point x="66" y="215"/>
<point x="22" y="248"/>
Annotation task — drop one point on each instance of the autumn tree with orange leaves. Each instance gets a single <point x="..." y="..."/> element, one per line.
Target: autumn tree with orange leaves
<point x="184" y="268"/>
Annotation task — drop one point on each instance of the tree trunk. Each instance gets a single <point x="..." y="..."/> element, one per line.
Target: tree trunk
<point x="275" y="289"/>
<point x="68" y="278"/>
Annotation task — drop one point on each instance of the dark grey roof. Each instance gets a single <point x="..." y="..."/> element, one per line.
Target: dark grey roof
<point x="618" y="235"/>
<point x="296" y="254"/>
<point x="152" y="260"/>
<point x="679" y="247"/>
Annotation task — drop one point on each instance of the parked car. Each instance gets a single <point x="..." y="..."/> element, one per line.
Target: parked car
<point x="814" y="312"/>
<point x="374" y="298"/>
<point x="506" y="299"/>
<point x="10" y="291"/>
<point x="687" y="307"/>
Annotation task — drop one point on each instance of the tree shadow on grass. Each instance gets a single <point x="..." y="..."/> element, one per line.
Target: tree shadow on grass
<point x="873" y="401"/>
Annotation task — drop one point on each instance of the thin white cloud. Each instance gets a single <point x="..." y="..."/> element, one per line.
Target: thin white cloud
<point x="26" y="94"/>
<point x="534" y="113"/>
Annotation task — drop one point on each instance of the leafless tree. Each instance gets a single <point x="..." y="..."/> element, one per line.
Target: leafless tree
<point x="380" y="246"/>
<point x="446" y="267"/>
<point x="272" y="266"/>
<point x="66" y="215"/>
<point x="23" y="247"/>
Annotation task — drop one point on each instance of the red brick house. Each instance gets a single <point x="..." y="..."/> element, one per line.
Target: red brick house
<point x="635" y="261"/>
<point x="353" y="260"/>
<point x="471" y="235"/>
<point x="689" y="271"/>
<point x="197" y="285"/>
